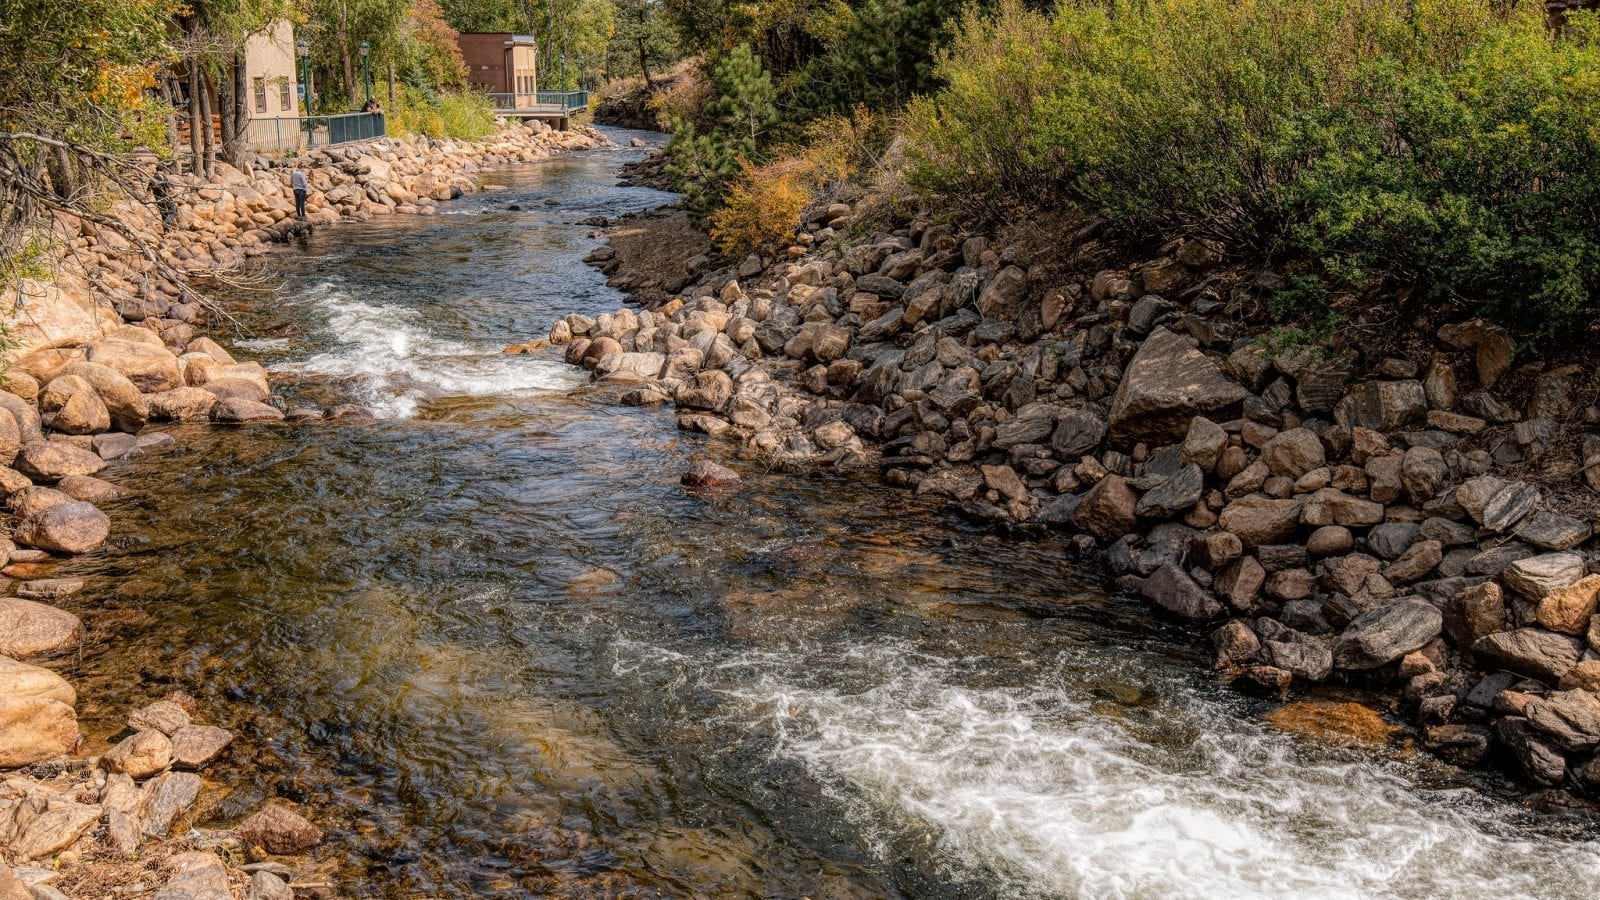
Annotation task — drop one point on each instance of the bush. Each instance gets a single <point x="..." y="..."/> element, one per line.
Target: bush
<point x="1445" y="143"/>
<point x="737" y="119"/>
<point x="467" y="115"/>
<point x="763" y="205"/>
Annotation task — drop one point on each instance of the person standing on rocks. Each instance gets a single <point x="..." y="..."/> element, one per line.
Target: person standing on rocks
<point x="161" y="193"/>
<point x="297" y="183"/>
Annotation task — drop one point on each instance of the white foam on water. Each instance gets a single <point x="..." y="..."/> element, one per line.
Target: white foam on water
<point x="1041" y="794"/>
<point x="399" y="363"/>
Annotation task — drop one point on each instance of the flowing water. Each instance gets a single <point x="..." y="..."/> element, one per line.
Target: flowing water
<point x="496" y="650"/>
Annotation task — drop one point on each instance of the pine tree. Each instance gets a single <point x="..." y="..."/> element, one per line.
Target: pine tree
<point x="740" y="115"/>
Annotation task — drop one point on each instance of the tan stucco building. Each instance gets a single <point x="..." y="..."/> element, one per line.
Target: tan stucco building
<point x="271" y="74"/>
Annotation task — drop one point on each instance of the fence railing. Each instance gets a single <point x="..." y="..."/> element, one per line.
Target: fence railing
<point x="562" y="102"/>
<point x="306" y="132"/>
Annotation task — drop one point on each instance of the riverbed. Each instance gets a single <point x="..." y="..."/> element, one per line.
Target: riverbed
<point x="492" y="646"/>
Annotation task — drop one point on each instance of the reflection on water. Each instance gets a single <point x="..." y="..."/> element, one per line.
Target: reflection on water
<point x="498" y="651"/>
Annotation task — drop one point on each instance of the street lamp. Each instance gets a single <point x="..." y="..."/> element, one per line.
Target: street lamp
<point x="366" y="67"/>
<point x="304" y="49"/>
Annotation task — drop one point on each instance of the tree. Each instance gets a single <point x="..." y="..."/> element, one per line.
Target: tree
<point x="643" y="37"/>
<point x="738" y="118"/>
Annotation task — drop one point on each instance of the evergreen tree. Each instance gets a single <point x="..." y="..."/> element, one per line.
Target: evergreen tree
<point x="741" y="113"/>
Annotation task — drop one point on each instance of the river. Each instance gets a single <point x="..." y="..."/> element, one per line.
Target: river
<point x="492" y="646"/>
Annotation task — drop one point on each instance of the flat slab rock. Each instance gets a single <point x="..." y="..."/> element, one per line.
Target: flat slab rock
<point x="1382" y="635"/>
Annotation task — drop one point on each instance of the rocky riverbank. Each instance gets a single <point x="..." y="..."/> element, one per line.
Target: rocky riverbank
<point x="1408" y="510"/>
<point x="102" y="354"/>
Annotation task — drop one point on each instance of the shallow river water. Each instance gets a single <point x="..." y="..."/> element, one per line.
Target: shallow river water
<point x="494" y="648"/>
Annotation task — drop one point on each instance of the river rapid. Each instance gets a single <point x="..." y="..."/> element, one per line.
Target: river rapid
<point x="495" y="649"/>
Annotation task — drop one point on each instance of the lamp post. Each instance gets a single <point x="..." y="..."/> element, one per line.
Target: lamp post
<point x="304" y="49"/>
<point x="366" y="68"/>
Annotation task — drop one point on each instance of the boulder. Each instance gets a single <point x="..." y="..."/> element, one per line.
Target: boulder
<point x="1234" y="645"/>
<point x="184" y="404"/>
<point x="30" y="629"/>
<point x="240" y="411"/>
<point x="82" y="413"/>
<point x="1331" y="506"/>
<point x="1538" y="760"/>
<point x="151" y="367"/>
<point x="1534" y="652"/>
<point x="1383" y="405"/>
<point x="1166" y="384"/>
<point x="1078" y="433"/>
<point x="1422" y="473"/>
<point x="140" y="755"/>
<point x="1261" y="520"/>
<point x="1204" y="443"/>
<point x="41" y="828"/>
<point x="90" y="489"/>
<point x="1386" y="633"/>
<point x="164" y="716"/>
<point x="1240" y="582"/>
<point x="1173" y="496"/>
<point x="1002" y="298"/>
<point x="1569" y="719"/>
<point x="279" y="830"/>
<point x="51" y="460"/>
<point x="1293" y="453"/>
<point x="1302" y="659"/>
<point x="75" y="527"/>
<point x="1552" y="531"/>
<point x="1108" y="510"/>
<point x="1537" y="576"/>
<point x="33" y="729"/>
<point x="129" y="411"/>
<point x="1568" y="609"/>
<point x="1171" y="589"/>
<point x="18" y="679"/>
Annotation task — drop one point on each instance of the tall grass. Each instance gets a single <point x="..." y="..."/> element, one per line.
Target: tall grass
<point x="1446" y="143"/>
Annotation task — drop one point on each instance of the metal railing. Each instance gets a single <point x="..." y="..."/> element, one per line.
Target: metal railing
<point x="557" y="102"/>
<point x="306" y="132"/>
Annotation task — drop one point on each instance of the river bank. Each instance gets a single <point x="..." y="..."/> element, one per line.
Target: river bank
<point x="1407" y="513"/>
<point x="109" y="347"/>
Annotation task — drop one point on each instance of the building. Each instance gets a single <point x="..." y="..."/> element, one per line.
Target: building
<point x="504" y="64"/>
<point x="271" y="74"/>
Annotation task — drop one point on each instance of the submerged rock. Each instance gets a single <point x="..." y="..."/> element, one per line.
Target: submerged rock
<point x="706" y="474"/>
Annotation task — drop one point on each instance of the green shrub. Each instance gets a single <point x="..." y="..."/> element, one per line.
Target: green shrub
<point x="1446" y="143"/>
<point x="703" y="161"/>
<point x="464" y="115"/>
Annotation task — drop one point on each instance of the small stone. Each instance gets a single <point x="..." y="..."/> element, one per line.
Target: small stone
<point x="1293" y="453"/>
<point x="279" y="830"/>
<point x="706" y="474"/>
<point x="53" y="828"/>
<point x="1423" y="472"/>
<point x="1261" y="520"/>
<point x="1569" y="609"/>
<point x="1240" y="582"/>
<point x="1571" y="719"/>
<point x="267" y="886"/>
<point x="1475" y="613"/>
<point x="1107" y="511"/>
<point x="1507" y="507"/>
<point x="1234" y="645"/>
<point x="1414" y="564"/>
<point x="165" y="797"/>
<point x="194" y="746"/>
<point x="49" y="588"/>
<point x="243" y="411"/>
<point x="1214" y="549"/>
<point x="199" y="876"/>
<point x="1553" y="531"/>
<point x="1330" y="540"/>
<point x="164" y="716"/>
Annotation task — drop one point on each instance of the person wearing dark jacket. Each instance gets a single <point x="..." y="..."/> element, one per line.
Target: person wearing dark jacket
<point x="297" y="183"/>
<point x="161" y="193"/>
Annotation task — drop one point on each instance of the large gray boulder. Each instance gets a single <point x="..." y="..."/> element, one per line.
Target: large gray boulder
<point x="1168" y="383"/>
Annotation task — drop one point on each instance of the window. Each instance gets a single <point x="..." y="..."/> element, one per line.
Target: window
<point x="283" y="95"/>
<point x="261" y="94"/>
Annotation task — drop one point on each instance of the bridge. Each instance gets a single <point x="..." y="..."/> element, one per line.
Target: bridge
<point x="540" y="104"/>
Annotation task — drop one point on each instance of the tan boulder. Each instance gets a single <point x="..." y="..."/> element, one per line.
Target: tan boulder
<point x="52" y="461"/>
<point x="83" y="413"/>
<point x="18" y="679"/>
<point x="29" y="629"/>
<point x="1568" y="609"/>
<point x="151" y="367"/>
<point x="36" y="499"/>
<point x="279" y="830"/>
<point x="40" y="315"/>
<point x="185" y="404"/>
<point x="129" y="411"/>
<point x="75" y="527"/>
<point x="140" y="755"/>
<point x="33" y="729"/>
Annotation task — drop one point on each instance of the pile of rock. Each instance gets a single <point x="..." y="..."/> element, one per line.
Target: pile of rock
<point x="1347" y="515"/>
<point x="77" y="814"/>
<point x="102" y="278"/>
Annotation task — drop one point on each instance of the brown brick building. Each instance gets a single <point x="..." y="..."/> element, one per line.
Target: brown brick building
<point x="501" y="63"/>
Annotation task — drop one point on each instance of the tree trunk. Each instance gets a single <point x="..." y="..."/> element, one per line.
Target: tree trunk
<point x="228" y="112"/>
<point x="644" y="65"/>
<point x="59" y="165"/>
<point x="391" y="83"/>
<point x="169" y="90"/>
<point x="210" y="142"/>
<point x="193" y="66"/>
<point x="234" y="148"/>
<point x="343" y="37"/>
